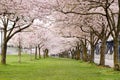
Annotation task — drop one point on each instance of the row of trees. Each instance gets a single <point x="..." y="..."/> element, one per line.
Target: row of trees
<point x="91" y="21"/>
<point x="98" y="20"/>
<point x="31" y="38"/>
<point x="17" y="15"/>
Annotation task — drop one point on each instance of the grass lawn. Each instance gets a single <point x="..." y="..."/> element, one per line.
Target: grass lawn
<point x="54" y="69"/>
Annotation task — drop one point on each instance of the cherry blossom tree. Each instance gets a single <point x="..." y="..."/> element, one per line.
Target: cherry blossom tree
<point x="17" y="15"/>
<point x="31" y="38"/>
<point x="107" y="8"/>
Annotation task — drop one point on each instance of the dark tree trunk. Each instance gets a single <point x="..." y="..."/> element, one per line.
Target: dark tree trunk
<point x="116" y="51"/>
<point x="72" y="54"/>
<point x="3" y="54"/>
<point x="81" y="54"/>
<point x="19" y="54"/>
<point x="85" y="53"/>
<point x="92" y="53"/>
<point x="39" y="53"/>
<point x="92" y="44"/>
<point x="46" y="53"/>
<point x="4" y="48"/>
<point x="78" y="54"/>
<point x="75" y="55"/>
<point x="35" y="52"/>
<point x="102" y="53"/>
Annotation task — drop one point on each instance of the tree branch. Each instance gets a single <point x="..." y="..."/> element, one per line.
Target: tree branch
<point x="19" y="30"/>
<point x="78" y="13"/>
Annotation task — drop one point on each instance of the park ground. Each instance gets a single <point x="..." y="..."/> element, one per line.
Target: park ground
<point x="54" y="69"/>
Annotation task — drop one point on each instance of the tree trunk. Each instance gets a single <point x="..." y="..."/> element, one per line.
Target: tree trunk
<point x="102" y="53"/>
<point x="92" y="54"/>
<point x="39" y="53"/>
<point x="116" y="51"/>
<point x="81" y="54"/>
<point x="78" y="54"/>
<point x="46" y="52"/>
<point x="72" y="54"/>
<point x="4" y="47"/>
<point x="92" y="47"/>
<point x="3" y="54"/>
<point x="35" y="52"/>
<point x="19" y="54"/>
<point x="84" y="53"/>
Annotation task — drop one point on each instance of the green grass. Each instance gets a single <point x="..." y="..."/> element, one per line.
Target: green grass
<point x="54" y="69"/>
